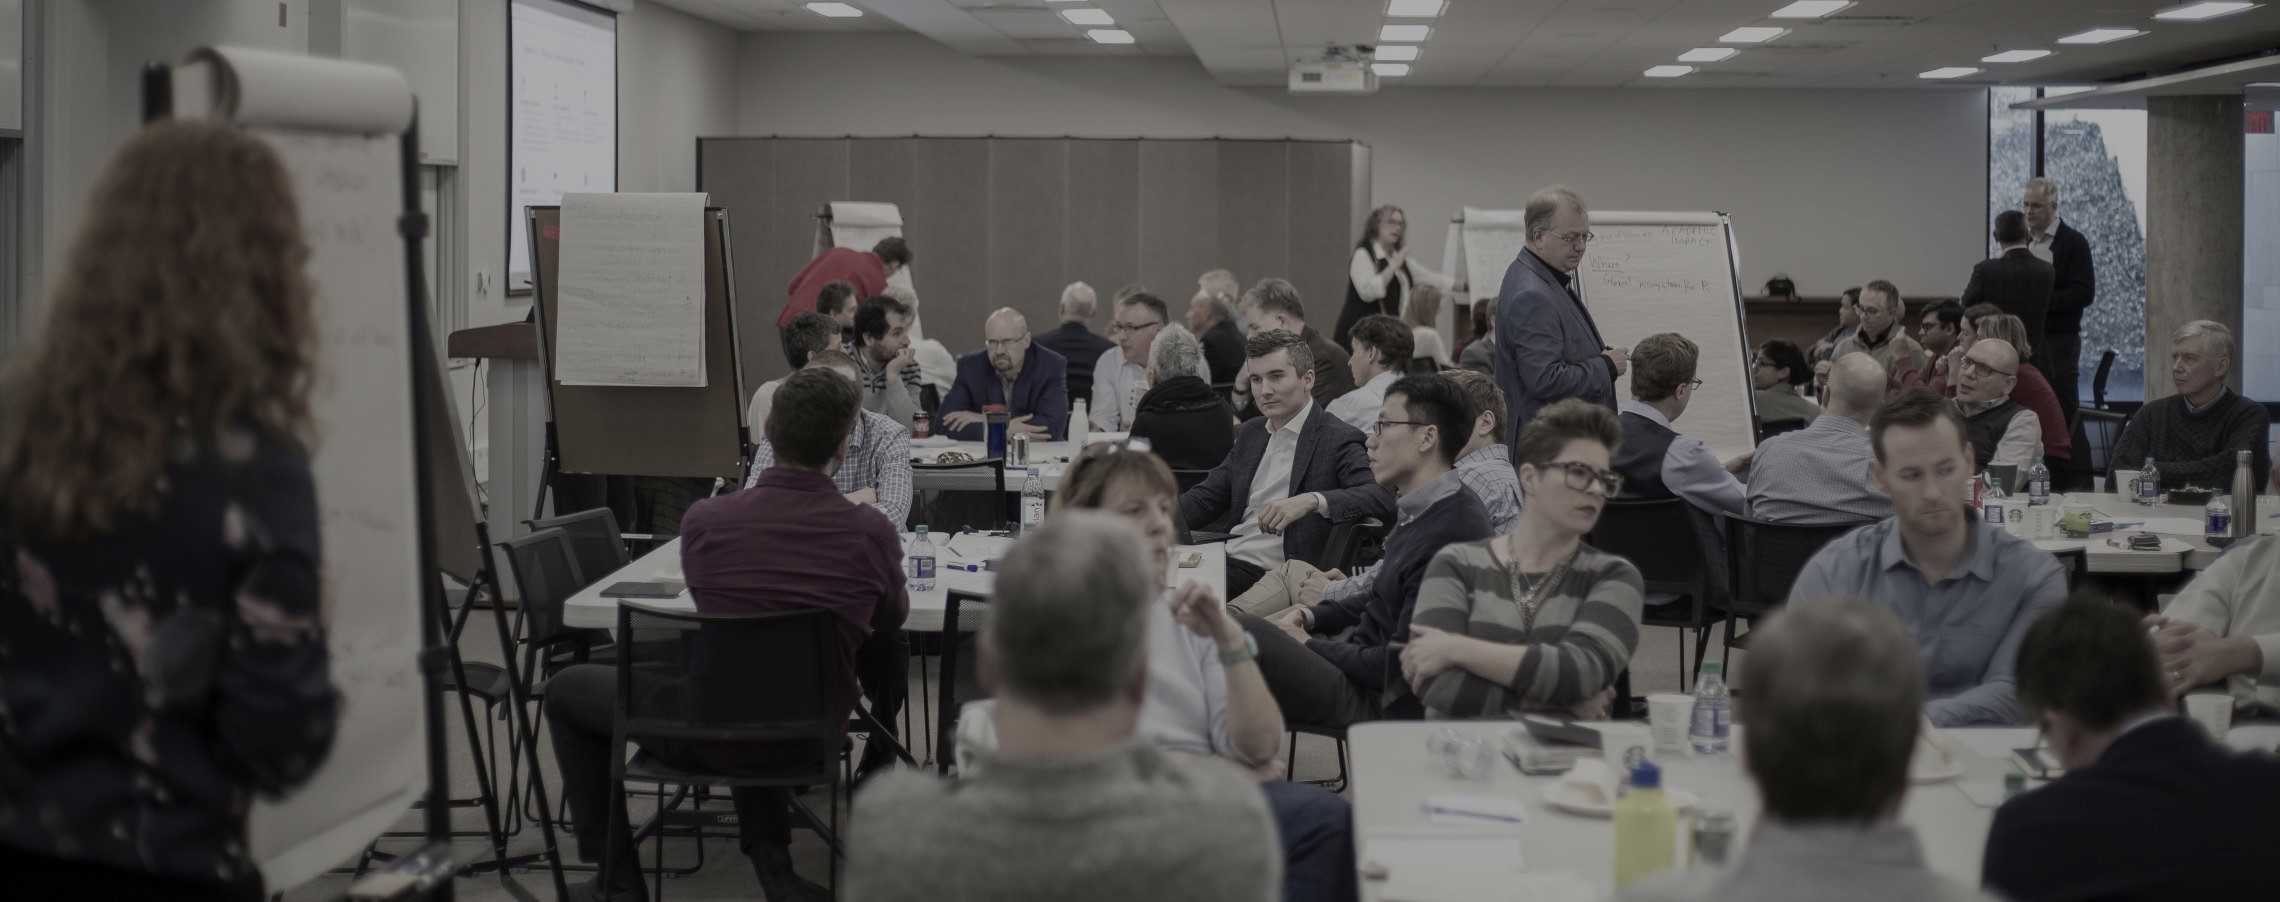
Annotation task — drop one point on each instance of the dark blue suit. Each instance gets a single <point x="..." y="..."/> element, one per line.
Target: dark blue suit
<point x="1042" y="392"/>
<point x="1547" y="347"/>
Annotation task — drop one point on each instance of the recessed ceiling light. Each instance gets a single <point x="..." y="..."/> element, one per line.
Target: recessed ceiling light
<point x="1415" y="9"/>
<point x="1949" y="72"/>
<point x="1707" y="54"/>
<point x="1668" y="71"/>
<point x="1397" y="53"/>
<point x="835" y="10"/>
<point x="2202" y="12"/>
<point x="1390" y="70"/>
<point x="2100" y="36"/>
<point x="1088" y="17"/>
<point x="1810" y="9"/>
<point x="2015" y="56"/>
<point x="1109" y="36"/>
<point x="1757" y="34"/>
<point x="1404" y="34"/>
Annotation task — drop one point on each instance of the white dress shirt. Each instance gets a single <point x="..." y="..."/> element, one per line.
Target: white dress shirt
<point x="1359" y="408"/>
<point x="2039" y="245"/>
<point x="1269" y="483"/>
<point x="1369" y="283"/>
<point x="1116" y="390"/>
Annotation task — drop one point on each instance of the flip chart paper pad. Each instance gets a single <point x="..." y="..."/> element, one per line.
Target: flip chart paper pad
<point x="633" y="291"/>
<point x="1492" y="239"/>
<point x="337" y="126"/>
<point x="862" y="226"/>
<point x="1648" y="273"/>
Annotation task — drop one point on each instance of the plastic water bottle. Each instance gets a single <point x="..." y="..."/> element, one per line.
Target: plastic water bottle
<point x="1712" y="712"/>
<point x="1646" y="828"/>
<point x="2218" y="520"/>
<point x="2038" y="484"/>
<point x="1080" y="427"/>
<point x="918" y="563"/>
<point x="2148" y="488"/>
<point x="1032" y="499"/>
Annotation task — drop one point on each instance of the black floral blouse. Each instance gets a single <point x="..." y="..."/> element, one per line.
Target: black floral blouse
<point x="154" y="679"/>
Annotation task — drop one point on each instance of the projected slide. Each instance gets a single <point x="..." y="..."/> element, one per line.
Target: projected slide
<point x="562" y="120"/>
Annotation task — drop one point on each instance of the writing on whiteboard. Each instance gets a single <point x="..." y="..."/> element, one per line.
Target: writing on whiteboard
<point x="632" y="296"/>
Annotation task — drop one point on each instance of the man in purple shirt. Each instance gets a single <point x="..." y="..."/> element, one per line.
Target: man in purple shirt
<point x="790" y="542"/>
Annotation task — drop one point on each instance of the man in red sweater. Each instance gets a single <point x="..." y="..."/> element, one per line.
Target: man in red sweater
<point x="867" y="270"/>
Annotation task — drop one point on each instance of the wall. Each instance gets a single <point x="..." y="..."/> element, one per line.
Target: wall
<point x="2260" y="316"/>
<point x="1831" y="187"/>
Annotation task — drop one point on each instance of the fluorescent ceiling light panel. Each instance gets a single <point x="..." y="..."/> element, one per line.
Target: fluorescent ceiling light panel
<point x="1668" y="71"/>
<point x="1707" y="54"/>
<point x="2202" y="12"/>
<point x="1810" y="9"/>
<point x="1756" y="34"/>
<point x="1088" y="17"/>
<point x="835" y="10"/>
<point x="2063" y="90"/>
<point x="1397" y="53"/>
<point x="1415" y="9"/>
<point x="2015" y="56"/>
<point x="1390" y="70"/>
<point x="2100" y="36"/>
<point x="1949" y="72"/>
<point x="1404" y="34"/>
<point x="1109" y="36"/>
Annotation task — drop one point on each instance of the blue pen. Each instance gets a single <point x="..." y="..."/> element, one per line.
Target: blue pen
<point x="1430" y="808"/>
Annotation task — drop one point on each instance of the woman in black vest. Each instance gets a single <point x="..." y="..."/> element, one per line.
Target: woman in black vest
<point x="1382" y="273"/>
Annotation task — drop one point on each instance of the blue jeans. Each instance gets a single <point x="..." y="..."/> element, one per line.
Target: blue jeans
<point x="1317" y="831"/>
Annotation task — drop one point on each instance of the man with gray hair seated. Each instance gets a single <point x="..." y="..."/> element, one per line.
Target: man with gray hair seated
<point x="1185" y="422"/>
<point x="2195" y="435"/>
<point x="1075" y="340"/>
<point x="1071" y="804"/>
<point x="1835" y="700"/>
<point x="1211" y="317"/>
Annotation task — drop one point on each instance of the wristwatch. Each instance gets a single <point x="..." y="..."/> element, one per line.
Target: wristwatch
<point x="1229" y="657"/>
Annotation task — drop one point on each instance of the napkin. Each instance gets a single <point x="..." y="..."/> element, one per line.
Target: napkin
<point x="1591" y="780"/>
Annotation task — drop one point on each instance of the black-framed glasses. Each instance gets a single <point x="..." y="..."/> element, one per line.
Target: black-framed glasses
<point x="1382" y="423"/>
<point x="1768" y="364"/>
<point x="1575" y="237"/>
<point x="1694" y="383"/>
<point x="1115" y="328"/>
<point x="995" y="343"/>
<point x="1582" y="477"/>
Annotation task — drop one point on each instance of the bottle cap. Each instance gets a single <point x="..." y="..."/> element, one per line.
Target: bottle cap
<point x="1646" y="776"/>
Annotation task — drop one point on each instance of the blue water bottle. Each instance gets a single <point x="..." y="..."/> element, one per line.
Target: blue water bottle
<point x="994" y="420"/>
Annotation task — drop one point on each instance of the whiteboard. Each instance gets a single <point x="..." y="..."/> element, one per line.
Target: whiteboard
<point x="632" y="295"/>
<point x="1647" y="273"/>
<point x="336" y="126"/>
<point x="562" y="115"/>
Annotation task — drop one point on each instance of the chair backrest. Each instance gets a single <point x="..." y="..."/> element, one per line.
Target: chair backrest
<point x="1765" y="558"/>
<point x="1347" y="542"/>
<point x="546" y="570"/>
<point x="1189" y="479"/>
<point x="1658" y="536"/>
<point x="728" y="677"/>
<point x="1771" y="428"/>
<point x="996" y="466"/>
<point x="594" y="541"/>
<point x="2098" y="381"/>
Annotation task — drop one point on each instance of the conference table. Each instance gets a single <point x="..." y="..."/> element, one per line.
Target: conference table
<point x="1405" y="854"/>
<point x="2184" y="545"/>
<point x="1051" y="459"/>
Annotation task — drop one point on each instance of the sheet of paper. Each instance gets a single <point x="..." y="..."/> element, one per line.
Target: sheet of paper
<point x="1456" y="868"/>
<point x="632" y="297"/>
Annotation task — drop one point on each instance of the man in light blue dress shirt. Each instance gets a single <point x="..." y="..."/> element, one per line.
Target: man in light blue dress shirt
<point x="1966" y="589"/>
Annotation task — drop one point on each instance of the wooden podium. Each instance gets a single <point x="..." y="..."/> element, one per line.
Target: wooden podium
<point x="517" y="392"/>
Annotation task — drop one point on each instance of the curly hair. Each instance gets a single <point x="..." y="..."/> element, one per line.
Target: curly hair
<point x="183" y="312"/>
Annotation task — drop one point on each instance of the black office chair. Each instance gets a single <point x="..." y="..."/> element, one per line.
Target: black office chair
<point x="1762" y="563"/>
<point x="700" y="690"/>
<point x="1668" y="540"/>
<point x="1771" y="428"/>
<point x="594" y="541"/>
<point x="1189" y="479"/>
<point x="998" y="513"/>
<point x="2098" y="379"/>
<point x="1350" y="544"/>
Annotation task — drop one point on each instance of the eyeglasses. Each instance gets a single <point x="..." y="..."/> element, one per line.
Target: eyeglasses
<point x="1692" y="383"/>
<point x="1768" y="364"/>
<point x="1970" y="365"/>
<point x="1582" y="477"/>
<point x="1119" y="328"/>
<point x="1008" y="343"/>
<point x="1574" y="237"/>
<point x="1382" y="423"/>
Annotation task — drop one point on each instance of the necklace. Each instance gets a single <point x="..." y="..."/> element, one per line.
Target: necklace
<point x="1529" y="596"/>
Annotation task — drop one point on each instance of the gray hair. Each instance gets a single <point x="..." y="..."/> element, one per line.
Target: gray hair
<point x="1078" y="301"/>
<point x="1836" y="691"/>
<point x="2216" y="339"/>
<point x="2041" y="185"/>
<point x="1219" y="307"/>
<point x="1067" y="630"/>
<point x="1221" y="284"/>
<point x="1547" y="204"/>
<point x="1176" y="353"/>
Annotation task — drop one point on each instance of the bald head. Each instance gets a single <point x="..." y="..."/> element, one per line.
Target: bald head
<point x="1006" y="337"/>
<point x="1836" y="690"/>
<point x="1990" y="370"/>
<point x="1856" y="386"/>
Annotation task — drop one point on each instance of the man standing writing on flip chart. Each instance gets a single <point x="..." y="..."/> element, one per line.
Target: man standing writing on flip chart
<point x="1547" y="347"/>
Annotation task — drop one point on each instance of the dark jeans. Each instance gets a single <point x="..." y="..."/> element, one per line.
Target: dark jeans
<point x="1241" y="576"/>
<point x="2064" y="351"/>
<point x="31" y="875"/>
<point x="1311" y="690"/>
<point x="1317" y="830"/>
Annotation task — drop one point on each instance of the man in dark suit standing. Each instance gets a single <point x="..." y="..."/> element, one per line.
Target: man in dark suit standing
<point x="1032" y="383"/>
<point x="1547" y="346"/>
<point x="2150" y="807"/>
<point x="2073" y="290"/>
<point x="2016" y="281"/>
<point x="1075" y="341"/>
<point x="1274" y="304"/>
<point x="1288" y="464"/>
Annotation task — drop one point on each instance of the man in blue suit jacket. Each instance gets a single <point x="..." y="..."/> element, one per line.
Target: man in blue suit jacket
<point x="1032" y="382"/>
<point x="1547" y="347"/>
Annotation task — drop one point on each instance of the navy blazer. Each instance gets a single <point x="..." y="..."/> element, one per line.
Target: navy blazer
<point x="2020" y="283"/>
<point x="1042" y="391"/>
<point x="1547" y="347"/>
<point x="1329" y="459"/>
<point x="2076" y="287"/>
<point x="2164" y="814"/>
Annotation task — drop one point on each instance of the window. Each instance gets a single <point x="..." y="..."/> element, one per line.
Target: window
<point x="2010" y="151"/>
<point x="2098" y="159"/>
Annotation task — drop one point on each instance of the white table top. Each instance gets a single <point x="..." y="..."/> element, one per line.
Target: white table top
<point x="590" y="610"/>
<point x="2179" y="525"/>
<point x="1051" y="459"/>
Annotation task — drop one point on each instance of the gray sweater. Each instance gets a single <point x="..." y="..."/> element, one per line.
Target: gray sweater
<point x="1136" y="823"/>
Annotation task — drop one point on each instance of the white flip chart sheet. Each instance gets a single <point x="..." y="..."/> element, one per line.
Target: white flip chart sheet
<point x="632" y="302"/>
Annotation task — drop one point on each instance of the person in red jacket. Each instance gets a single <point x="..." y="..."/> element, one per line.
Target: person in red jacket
<point x="867" y="270"/>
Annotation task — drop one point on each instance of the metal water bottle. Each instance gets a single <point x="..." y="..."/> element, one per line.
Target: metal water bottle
<point x="2244" y="519"/>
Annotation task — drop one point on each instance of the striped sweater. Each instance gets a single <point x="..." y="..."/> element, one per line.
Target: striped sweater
<point x="1586" y="629"/>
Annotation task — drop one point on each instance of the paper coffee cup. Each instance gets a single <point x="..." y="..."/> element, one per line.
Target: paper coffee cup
<point x="1624" y="744"/>
<point x="1669" y="716"/>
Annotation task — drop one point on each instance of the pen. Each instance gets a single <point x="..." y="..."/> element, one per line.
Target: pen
<point x="1459" y="812"/>
<point x="962" y="567"/>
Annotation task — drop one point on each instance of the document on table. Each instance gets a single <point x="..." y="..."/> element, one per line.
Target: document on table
<point x="632" y="295"/>
<point x="1452" y="867"/>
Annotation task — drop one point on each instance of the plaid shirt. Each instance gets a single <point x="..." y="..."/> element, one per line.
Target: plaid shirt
<point x="878" y="457"/>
